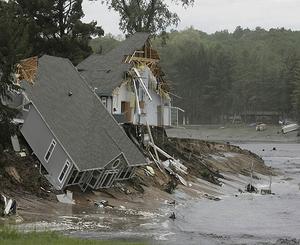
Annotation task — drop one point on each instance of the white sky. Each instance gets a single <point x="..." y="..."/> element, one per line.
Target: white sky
<point x="214" y="15"/>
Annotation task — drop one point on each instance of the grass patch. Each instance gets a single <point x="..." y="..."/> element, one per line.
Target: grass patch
<point x="13" y="237"/>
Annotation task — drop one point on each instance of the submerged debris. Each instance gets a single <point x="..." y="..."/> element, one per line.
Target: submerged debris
<point x="213" y="198"/>
<point x="261" y="127"/>
<point x="172" y="216"/>
<point x="252" y="189"/>
<point x="103" y="204"/>
<point x="289" y="128"/>
<point x="66" y="198"/>
<point x="265" y="191"/>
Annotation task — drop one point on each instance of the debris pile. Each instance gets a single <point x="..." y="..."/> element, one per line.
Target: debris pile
<point x="251" y="188"/>
<point x="289" y="128"/>
<point x="8" y="206"/>
<point x="21" y="176"/>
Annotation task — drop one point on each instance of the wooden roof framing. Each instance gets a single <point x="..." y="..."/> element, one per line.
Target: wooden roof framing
<point x="27" y="69"/>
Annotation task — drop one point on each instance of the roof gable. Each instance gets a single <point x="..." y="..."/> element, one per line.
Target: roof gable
<point x="106" y="72"/>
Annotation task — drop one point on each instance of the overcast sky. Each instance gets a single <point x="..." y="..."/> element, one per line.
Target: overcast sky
<point x="214" y="15"/>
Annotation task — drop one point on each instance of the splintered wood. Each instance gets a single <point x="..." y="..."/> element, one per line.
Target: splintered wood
<point x="26" y="69"/>
<point x="145" y="56"/>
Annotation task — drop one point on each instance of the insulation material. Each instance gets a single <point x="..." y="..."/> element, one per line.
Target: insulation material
<point x="132" y="100"/>
<point x="26" y="69"/>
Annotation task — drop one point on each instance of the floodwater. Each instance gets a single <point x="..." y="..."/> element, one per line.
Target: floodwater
<point x="235" y="219"/>
<point x="249" y="218"/>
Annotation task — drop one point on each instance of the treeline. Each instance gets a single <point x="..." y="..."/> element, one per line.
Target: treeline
<point x="226" y="74"/>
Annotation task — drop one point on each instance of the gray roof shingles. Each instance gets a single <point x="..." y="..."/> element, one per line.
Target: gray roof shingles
<point x="81" y="123"/>
<point x="106" y="72"/>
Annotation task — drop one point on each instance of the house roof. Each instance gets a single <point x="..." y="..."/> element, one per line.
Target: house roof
<point x="105" y="72"/>
<point x="80" y="122"/>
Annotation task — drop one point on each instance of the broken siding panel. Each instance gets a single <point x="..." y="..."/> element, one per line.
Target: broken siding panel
<point x="151" y="109"/>
<point x="120" y="94"/>
<point x="167" y="115"/>
<point x="109" y="104"/>
<point x="39" y="137"/>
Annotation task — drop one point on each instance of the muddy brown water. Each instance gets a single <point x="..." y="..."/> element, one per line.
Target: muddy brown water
<point x="236" y="219"/>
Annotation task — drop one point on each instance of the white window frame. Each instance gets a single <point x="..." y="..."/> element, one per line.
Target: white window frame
<point x="53" y="142"/>
<point x="24" y="109"/>
<point x="67" y="163"/>
<point x="104" y="101"/>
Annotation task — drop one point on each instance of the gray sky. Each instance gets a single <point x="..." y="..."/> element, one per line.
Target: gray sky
<point x="214" y="15"/>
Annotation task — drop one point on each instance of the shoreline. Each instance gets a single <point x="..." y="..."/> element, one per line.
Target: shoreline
<point x="225" y="160"/>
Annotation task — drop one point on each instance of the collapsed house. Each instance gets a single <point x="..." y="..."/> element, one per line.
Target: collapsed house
<point x="64" y="122"/>
<point x="130" y="82"/>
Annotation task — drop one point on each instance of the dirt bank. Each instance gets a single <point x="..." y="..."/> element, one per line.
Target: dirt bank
<point x="208" y="163"/>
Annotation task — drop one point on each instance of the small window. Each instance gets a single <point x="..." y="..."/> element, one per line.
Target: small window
<point x="26" y="107"/>
<point x="73" y="176"/>
<point x="50" y="150"/>
<point x="104" y="101"/>
<point x="64" y="171"/>
<point x="122" y="173"/>
<point x="128" y="174"/>
<point x="96" y="175"/>
<point x="78" y="177"/>
<point x="116" y="163"/>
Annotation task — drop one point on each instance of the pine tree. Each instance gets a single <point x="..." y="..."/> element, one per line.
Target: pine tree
<point x="12" y="44"/>
<point x="56" y="28"/>
<point x="295" y="96"/>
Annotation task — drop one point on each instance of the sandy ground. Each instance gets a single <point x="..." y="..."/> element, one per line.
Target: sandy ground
<point x="233" y="133"/>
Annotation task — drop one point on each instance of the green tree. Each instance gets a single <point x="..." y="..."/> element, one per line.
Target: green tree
<point x="232" y="73"/>
<point x="102" y="45"/>
<point x="292" y="70"/>
<point x="56" y="27"/>
<point x="13" y="46"/>
<point x="151" y="16"/>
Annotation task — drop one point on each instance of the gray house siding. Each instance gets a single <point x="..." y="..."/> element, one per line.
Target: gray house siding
<point x="39" y="137"/>
<point x="63" y="108"/>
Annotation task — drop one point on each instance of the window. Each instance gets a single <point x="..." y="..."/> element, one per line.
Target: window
<point x="104" y="101"/>
<point x="26" y="107"/>
<point x="64" y="170"/>
<point x="50" y="150"/>
<point x="78" y="177"/>
<point x="122" y="173"/>
<point x="107" y="179"/>
<point x="73" y="176"/>
<point x="128" y="174"/>
<point x="95" y="177"/>
<point x="116" y="163"/>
